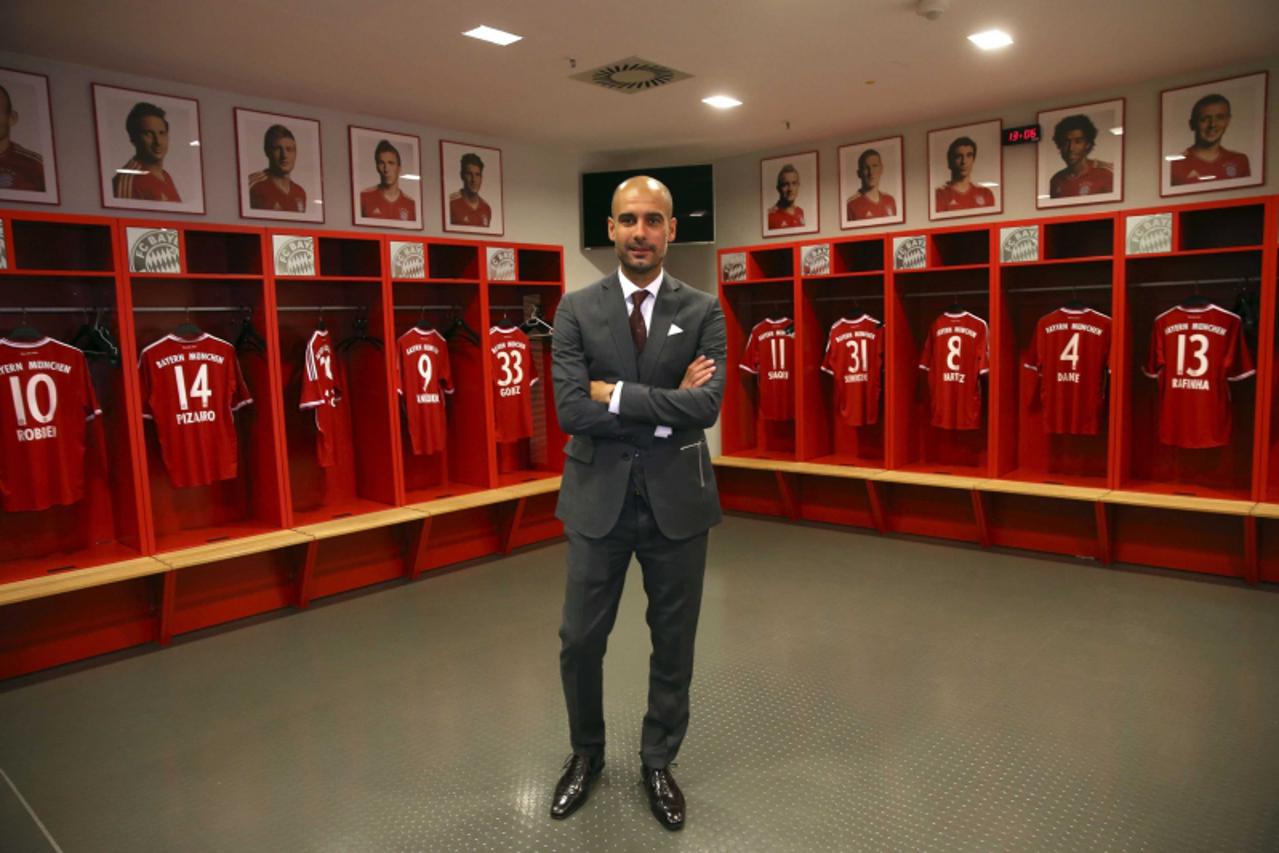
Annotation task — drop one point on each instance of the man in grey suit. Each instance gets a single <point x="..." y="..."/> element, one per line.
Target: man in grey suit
<point x="634" y="368"/>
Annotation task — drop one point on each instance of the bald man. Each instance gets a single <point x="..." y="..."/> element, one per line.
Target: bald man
<point x="635" y="368"/>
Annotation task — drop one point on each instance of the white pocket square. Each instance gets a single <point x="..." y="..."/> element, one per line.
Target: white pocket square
<point x="675" y="330"/>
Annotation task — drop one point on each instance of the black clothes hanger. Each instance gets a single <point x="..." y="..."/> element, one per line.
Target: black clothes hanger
<point x="1075" y="303"/>
<point x="423" y="323"/>
<point x="25" y="331"/>
<point x="249" y="340"/>
<point x="188" y="329"/>
<point x="955" y="308"/>
<point x="361" y="334"/>
<point x="1247" y="309"/>
<point x="319" y="321"/>
<point x="95" y="341"/>
<point x="1195" y="299"/>
<point x="460" y="329"/>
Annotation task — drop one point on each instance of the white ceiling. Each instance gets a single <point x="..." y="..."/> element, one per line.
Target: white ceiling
<point x="805" y="63"/>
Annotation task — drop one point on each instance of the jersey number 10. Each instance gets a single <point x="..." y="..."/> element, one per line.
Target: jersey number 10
<point x="32" y="401"/>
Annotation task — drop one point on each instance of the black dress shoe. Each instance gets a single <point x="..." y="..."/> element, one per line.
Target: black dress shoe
<point x="664" y="797"/>
<point x="579" y="772"/>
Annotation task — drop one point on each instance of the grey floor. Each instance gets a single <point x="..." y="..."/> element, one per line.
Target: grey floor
<point x="853" y="693"/>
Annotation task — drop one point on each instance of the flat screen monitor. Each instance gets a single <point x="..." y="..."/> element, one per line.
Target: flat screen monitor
<point x="692" y="187"/>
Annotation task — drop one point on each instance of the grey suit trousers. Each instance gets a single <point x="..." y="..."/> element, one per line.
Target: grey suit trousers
<point x="673" y="571"/>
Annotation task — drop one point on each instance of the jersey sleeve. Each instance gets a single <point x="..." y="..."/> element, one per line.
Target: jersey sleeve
<point x="1035" y="357"/>
<point x="240" y="394"/>
<point x="1238" y="360"/>
<point x="445" y="369"/>
<point x="983" y="351"/>
<point x="91" y="407"/>
<point x="750" y="358"/>
<point x="145" y="382"/>
<point x="926" y="357"/>
<point x="1155" y="360"/>
<point x="828" y="360"/>
<point x="312" y="395"/>
<point x="399" y="369"/>
<point x="532" y="368"/>
<point x="878" y="347"/>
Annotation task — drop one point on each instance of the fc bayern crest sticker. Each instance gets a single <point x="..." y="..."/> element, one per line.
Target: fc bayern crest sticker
<point x="293" y="255"/>
<point x="154" y="250"/>
<point x="408" y="260"/>
<point x="910" y="253"/>
<point x="815" y="260"/>
<point x="1019" y="245"/>
<point x="1149" y="234"/>
<point x="501" y="263"/>
<point x="732" y="266"/>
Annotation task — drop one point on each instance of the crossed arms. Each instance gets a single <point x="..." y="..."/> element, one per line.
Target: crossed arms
<point x="582" y="403"/>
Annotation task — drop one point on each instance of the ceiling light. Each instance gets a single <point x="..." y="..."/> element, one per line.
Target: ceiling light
<point x="195" y="143"/>
<point x="130" y="172"/>
<point x="489" y="34"/>
<point x="988" y="184"/>
<point x="722" y="102"/>
<point x="1117" y="131"/>
<point x="411" y="177"/>
<point x="1172" y="157"/>
<point x="1207" y="177"/>
<point x="991" y="39"/>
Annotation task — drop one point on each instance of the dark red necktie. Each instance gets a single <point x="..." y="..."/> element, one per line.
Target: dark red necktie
<point x="639" y="333"/>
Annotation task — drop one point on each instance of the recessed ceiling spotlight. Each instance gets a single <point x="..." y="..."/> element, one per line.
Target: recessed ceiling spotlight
<point x="495" y="36"/>
<point x="1173" y="157"/>
<point x="1117" y="131"/>
<point x="721" y="102"/>
<point x="991" y="39"/>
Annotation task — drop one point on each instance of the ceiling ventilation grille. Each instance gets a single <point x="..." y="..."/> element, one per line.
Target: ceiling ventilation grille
<point x="632" y="75"/>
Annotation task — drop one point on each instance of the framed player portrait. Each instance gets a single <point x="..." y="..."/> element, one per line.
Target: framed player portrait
<point x="386" y="179"/>
<point x="872" y="183"/>
<point x="27" y="169"/>
<point x="471" y="188"/>
<point x="279" y="166"/>
<point x="965" y="170"/>
<point x="788" y="194"/>
<point x="149" y="154"/>
<point x="1081" y="159"/>
<point x="1213" y="135"/>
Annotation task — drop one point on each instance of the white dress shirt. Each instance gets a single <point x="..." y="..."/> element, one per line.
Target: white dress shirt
<point x="629" y="289"/>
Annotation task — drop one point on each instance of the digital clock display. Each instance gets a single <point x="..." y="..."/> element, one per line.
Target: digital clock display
<point x="1021" y="135"/>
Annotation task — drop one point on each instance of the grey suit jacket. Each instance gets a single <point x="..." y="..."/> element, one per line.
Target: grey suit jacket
<point x="593" y="341"/>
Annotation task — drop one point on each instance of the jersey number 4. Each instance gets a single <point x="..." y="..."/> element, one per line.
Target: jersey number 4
<point x="29" y="400"/>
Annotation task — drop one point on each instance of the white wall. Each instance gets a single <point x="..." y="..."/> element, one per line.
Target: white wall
<point x="737" y="179"/>
<point x="539" y="186"/>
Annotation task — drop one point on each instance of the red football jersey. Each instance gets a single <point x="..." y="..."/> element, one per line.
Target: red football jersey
<point x="264" y="194"/>
<point x="1071" y="354"/>
<point x="514" y="374"/>
<point x="190" y="387"/>
<point x="855" y="357"/>
<point x="373" y="205"/>
<point x="322" y="391"/>
<point x="1190" y="169"/>
<point x="861" y="207"/>
<point x="955" y="354"/>
<point x="1193" y="353"/>
<point x="949" y="198"/>
<point x="789" y="217"/>
<point x="45" y="402"/>
<point x="21" y="169"/>
<point x="461" y="213"/>
<point x="423" y="359"/>
<point x="1098" y="178"/>
<point x="770" y="354"/>
<point x="145" y="187"/>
